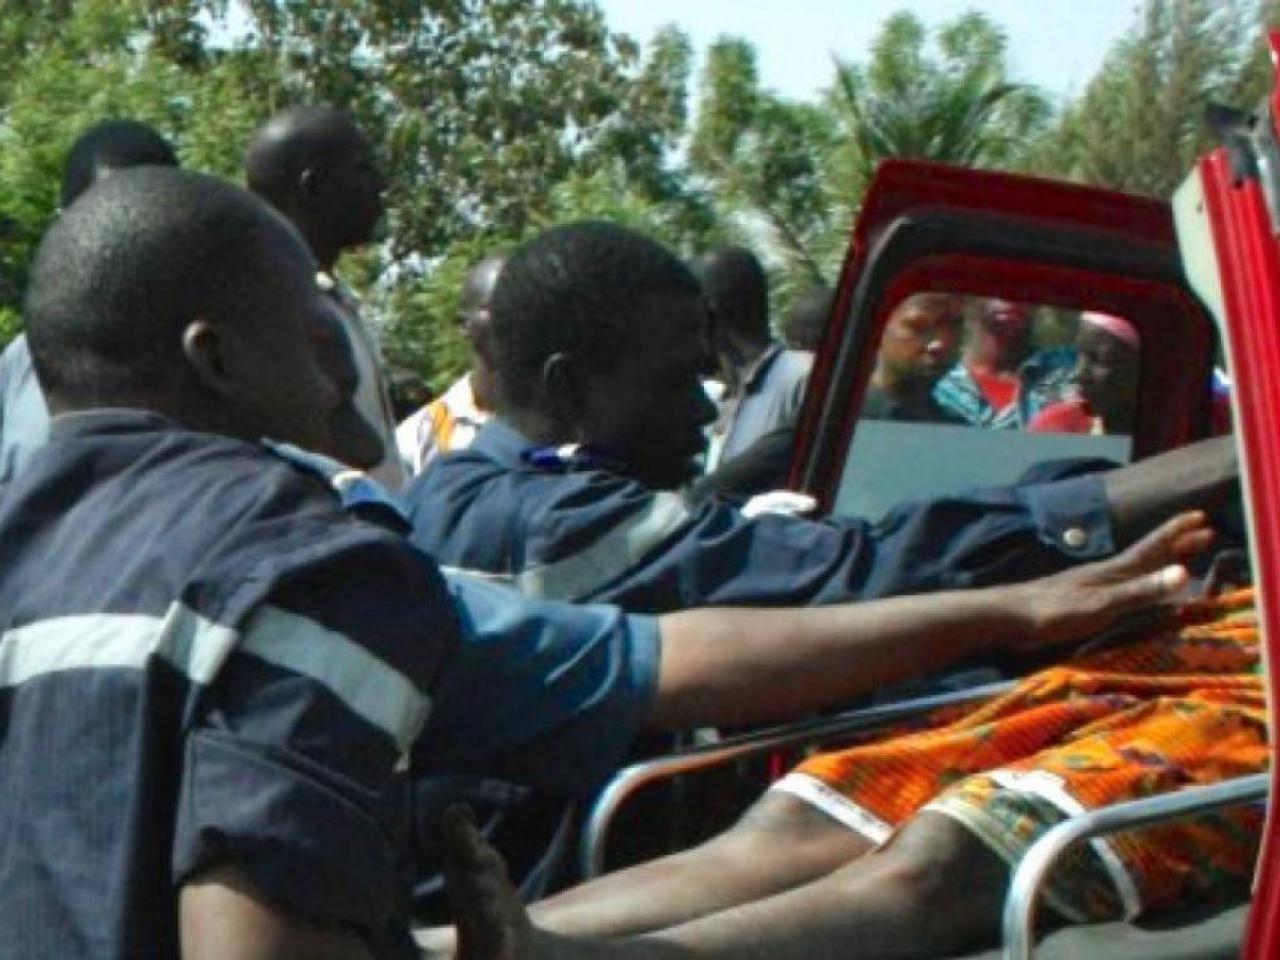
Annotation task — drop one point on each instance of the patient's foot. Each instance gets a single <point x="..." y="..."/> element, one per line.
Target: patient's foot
<point x="490" y="921"/>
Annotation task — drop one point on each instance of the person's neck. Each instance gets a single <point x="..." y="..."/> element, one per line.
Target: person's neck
<point x="536" y="427"/>
<point x="740" y="357"/>
<point x="904" y="388"/>
<point x="481" y="385"/>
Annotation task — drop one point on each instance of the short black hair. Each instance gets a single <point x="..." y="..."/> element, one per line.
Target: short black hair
<point x="580" y="288"/>
<point x="294" y="139"/>
<point x="806" y="320"/>
<point x="738" y="291"/>
<point x="122" y="272"/>
<point x="111" y="145"/>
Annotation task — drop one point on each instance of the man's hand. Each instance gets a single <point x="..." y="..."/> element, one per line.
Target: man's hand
<point x="1079" y="603"/>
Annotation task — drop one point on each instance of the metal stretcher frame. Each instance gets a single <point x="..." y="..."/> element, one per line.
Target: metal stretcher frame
<point x="628" y="781"/>
<point x="1020" y="907"/>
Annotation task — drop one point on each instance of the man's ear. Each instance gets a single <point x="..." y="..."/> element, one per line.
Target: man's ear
<point x="563" y="389"/>
<point x="205" y="347"/>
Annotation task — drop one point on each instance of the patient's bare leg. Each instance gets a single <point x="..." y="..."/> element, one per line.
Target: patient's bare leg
<point x="780" y="843"/>
<point x="932" y="891"/>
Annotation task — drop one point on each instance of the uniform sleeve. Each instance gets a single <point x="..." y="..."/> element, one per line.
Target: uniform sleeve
<point x="295" y="739"/>
<point x="545" y="694"/>
<point x="655" y="554"/>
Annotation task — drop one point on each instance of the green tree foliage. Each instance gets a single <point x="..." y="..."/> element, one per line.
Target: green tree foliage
<point x="761" y="156"/>
<point x="956" y="107"/>
<point x="794" y="173"/>
<point x="486" y="114"/>
<point x="497" y="118"/>
<point x="1140" y="123"/>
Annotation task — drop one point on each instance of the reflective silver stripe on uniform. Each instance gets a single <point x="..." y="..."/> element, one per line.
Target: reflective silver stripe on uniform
<point x="198" y="647"/>
<point x="195" y="646"/>
<point x="368" y="686"/>
<point x="577" y="576"/>
<point x="506" y="579"/>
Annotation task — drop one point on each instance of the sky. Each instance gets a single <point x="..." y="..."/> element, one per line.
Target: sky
<point x="1054" y="44"/>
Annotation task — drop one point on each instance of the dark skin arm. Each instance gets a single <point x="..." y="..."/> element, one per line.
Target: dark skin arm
<point x="222" y="918"/>
<point x="740" y="666"/>
<point x="1201" y="475"/>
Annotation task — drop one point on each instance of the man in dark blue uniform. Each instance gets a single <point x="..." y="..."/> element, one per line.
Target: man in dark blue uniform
<point x="193" y="727"/>
<point x="570" y="492"/>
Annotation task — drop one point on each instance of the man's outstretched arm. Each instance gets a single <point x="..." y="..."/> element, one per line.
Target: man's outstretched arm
<point x="1198" y="476"/>
<point x="736" y="666"/>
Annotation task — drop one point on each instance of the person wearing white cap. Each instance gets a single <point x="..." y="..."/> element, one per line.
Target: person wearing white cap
<point x="1109" y="353"/>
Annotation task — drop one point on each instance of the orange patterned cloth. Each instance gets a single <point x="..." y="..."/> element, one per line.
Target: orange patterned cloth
<point x="1181" y="705"/>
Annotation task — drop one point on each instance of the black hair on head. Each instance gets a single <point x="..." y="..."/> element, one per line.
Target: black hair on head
<point x="806" y="321"/>
<point x="111" y="145"/>
<point x="582" y="289"/>
<point x="738" y="291"/>
<point x="295" y="139"/>
<point x="120" y="275"/>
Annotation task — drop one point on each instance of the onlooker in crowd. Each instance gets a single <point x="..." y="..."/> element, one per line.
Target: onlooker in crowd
<point x="315" y="166"/>
<point x="451" y="422"/>
<point x="920" y="343"/>
<point x="567" y="492"/>
<point x="1108" y="351"/>
<point x="104" y="147"/>
<point x="806" y="320"/>
<point x="250" y="664"/>
<point x="764" y="381"/>
<point x="1000" y="382"/>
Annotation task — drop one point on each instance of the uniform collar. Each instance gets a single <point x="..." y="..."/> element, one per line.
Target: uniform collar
<point x="504" y="444"/>
<point x="500" y="441"/>
<point x="109" y="420"/>
<point x="760" y="369"/>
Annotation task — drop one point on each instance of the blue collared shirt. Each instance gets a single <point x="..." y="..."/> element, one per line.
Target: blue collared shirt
<point x="771" y="399"/>
<point x="585" y="534"/>
<point x="206" y="663"/>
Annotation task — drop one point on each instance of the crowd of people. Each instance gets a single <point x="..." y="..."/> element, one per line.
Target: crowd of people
<point x="260" y="643"/>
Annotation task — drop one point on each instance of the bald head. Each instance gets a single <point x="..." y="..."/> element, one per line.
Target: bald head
<point x="477" y="288"/>
<point x="109" y="146"/>
<point x="180" y="293"/>
<point x="738" y="291"/>
<point x="314" y="165"/>
<point x="474" y="319"/>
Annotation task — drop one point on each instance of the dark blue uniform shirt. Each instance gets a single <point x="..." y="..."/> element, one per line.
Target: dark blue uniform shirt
<point x="549" y="694"/>
<point x="563" y="528"/>
<point x="203" y="661"/>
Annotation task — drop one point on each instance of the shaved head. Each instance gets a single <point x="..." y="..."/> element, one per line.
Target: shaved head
<point x="475" y="321"/>
<point x="314" y="165"/>
<point x="181" y="293"/>
<point x="292" y="142"/>
<point x="108" y="146"/>
<point x="738" y="291"/>
<point x="477" y="288"/>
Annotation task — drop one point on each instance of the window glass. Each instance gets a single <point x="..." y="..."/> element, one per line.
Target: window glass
<point x="972" y="391"/>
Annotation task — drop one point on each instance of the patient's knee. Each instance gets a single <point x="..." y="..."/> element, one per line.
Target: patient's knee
<point x="947" y="884"/>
